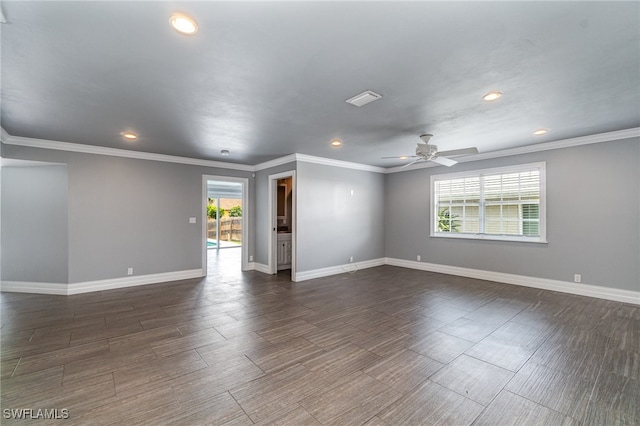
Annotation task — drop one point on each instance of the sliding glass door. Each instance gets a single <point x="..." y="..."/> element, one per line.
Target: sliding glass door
<point x="224" y="214"/>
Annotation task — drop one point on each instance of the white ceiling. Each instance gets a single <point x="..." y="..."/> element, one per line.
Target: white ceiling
<point x="267" y="79"/>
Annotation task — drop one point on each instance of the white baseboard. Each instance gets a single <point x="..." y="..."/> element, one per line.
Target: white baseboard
<point x="339" y="269"/>
<point x="99" y="285"/>
<point x="33" y="287"/>
<point x="261" y="267"/>
<point x="626" y="296"/>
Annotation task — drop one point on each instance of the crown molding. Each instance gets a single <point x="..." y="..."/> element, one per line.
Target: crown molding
<point x="546" y="146"/>
<point x="10" y="162"/>
<point x="275" y="162"/>
<point x="338" y="163"/>
<point x="114" y="152"/>
<point x="8" y="139"/>
<point x="4" y="135"/>
<point x="317" y="160"/>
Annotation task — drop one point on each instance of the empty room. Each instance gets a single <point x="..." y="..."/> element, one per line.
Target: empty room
<point x="320" y="213"/>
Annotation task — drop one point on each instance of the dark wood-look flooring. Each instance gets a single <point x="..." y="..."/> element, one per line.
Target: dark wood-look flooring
<point x="381" y="346"/>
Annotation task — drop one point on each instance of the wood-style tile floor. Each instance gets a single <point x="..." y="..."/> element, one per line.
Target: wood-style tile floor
<point x="381" y="346"/>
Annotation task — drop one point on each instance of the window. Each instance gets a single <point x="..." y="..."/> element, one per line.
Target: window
<point x="506" y="203"/>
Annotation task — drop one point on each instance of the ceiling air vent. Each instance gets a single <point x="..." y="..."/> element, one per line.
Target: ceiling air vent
<point x="364" y="98"/>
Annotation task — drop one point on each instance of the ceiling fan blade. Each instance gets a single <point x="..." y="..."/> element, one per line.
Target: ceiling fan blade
<point x="444" y="161"/>
<point x="463" y="151"/>
<point x="413" y="162"/>
<point x="402" y="157"/>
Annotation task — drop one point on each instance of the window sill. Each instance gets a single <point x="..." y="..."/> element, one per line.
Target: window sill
<point x="511" y="238"/>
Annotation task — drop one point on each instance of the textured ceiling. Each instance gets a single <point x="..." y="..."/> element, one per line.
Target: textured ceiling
<point x="267" y="79"/>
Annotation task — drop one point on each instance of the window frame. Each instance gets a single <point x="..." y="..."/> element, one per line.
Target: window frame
<point x="433" y="219"/>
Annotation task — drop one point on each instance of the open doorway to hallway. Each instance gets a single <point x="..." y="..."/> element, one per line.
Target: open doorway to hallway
<point x="282" y="219"/>
<point x="224" y="225"/>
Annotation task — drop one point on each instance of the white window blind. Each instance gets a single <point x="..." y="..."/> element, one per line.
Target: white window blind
<point x="505" y="203"/>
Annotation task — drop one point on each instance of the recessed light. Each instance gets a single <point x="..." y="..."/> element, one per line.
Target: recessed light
<point x="492" y="96"/>
<point x="540" y="132"/>
<point x="130" y="136"/>
<point x="404" y="157"/>
<point x="336" y="142"/>
<point x="183" y="24"/>
<point x="224" y="152"/>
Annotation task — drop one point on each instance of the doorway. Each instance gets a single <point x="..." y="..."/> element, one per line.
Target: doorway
<point x="282" y="221"/>
<point x="224" y="218"/>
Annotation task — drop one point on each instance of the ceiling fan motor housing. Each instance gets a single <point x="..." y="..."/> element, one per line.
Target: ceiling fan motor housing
<point x="424" y="150"/>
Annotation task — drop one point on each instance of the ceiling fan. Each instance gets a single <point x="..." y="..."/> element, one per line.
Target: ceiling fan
<point x="427" y="152"/>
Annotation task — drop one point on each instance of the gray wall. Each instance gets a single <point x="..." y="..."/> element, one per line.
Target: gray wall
<point x="129" y="213"/>
<point x="34" y="224"/>
<point x="134" y="213"/>
<point x="593" y="226"/>
<point x="332" y="224"/>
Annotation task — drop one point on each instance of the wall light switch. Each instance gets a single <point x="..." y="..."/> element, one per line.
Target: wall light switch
<point x="192" y="220"/>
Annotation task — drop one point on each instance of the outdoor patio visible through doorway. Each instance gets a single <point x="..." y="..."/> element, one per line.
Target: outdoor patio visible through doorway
<point x="211" y="244"/>
<point x="224" y="214"/>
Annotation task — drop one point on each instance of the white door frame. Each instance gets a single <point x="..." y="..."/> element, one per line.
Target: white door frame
<point x="245" y="216"/>
<point x="273" y="221"/>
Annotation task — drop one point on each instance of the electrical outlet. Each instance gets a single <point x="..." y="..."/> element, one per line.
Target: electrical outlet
<point x="351" y="259"/>
<point x="130" y="271"/>
<point x="418" y="258"/>
<point x="577" y="278"/>
<point x="250" y="258"/>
